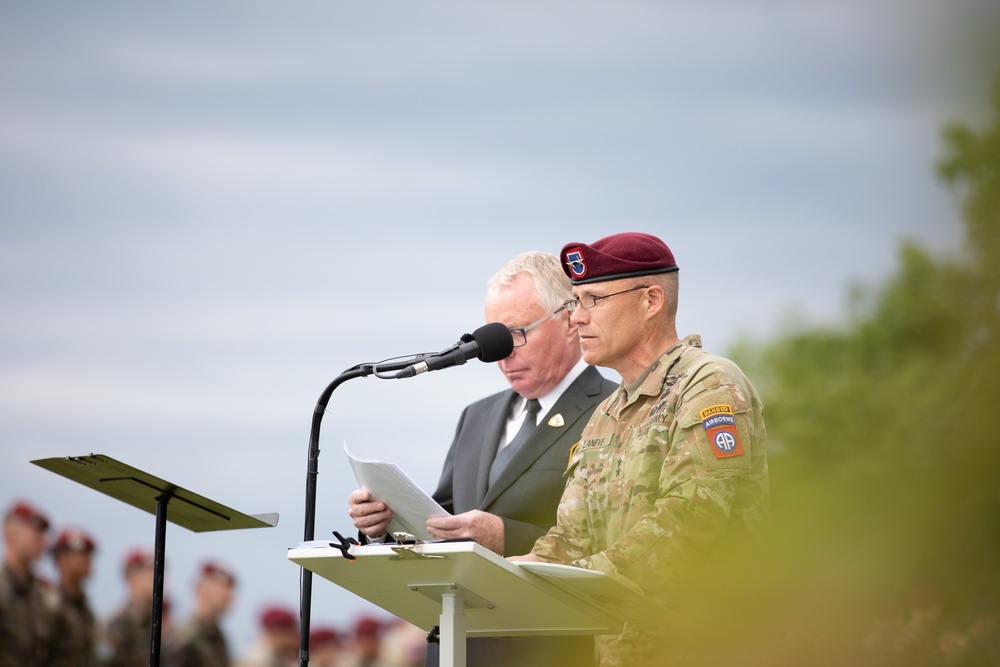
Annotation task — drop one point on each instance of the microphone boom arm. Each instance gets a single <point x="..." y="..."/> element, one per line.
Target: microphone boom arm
<point x="490" y="342"/>
<point x="312" y="472"/>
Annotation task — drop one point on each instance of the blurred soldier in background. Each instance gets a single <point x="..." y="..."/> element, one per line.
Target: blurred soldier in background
<point x="199" y="642"/>
<point x="365" y="644"/>
<point x="127" y="634"/>
<point x="25" y="628"/>
<point x="403" y="645"/>
<point x="74" y="629"/>
<point x="278" y="645"/>
<point x="324" y="648"/>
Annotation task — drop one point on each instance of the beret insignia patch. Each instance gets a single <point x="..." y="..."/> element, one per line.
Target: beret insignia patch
<point x="574" y="260"/>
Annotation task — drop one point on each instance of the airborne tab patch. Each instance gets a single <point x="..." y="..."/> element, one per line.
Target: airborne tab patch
<point x="720" y="425"/>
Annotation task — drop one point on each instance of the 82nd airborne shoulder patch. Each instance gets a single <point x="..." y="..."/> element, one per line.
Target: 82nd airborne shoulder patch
<point x="720" y="425"/>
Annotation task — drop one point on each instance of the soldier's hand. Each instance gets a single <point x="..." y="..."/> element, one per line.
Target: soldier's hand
<point x="371" y="517"/>
<point x="484" y="528"/>
<point x="526" y="558"/>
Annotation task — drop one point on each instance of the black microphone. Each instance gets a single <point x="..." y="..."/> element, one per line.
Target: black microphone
<point x="490" y="342"/>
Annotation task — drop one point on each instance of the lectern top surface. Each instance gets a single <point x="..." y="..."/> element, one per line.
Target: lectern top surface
<point x="500" y="598"/>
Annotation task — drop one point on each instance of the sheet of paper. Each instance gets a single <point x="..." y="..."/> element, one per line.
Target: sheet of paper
<point x="410" y="505"/>
<point x="606" y="592"/>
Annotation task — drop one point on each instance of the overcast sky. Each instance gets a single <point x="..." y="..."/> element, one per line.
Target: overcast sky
<point x="209" y="210"/>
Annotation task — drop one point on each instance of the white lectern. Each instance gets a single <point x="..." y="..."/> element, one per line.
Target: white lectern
<point x="467" y="589"/>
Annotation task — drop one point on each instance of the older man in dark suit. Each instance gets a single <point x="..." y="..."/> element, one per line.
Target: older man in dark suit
<point x="503" y="475"/>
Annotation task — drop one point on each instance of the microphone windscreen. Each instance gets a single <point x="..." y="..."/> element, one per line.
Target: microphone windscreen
<point x="495" y="341"/>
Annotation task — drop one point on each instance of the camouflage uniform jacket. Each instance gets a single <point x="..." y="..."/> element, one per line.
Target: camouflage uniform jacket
<point x="660" y="475"/>
<point x="25" y="626"/>
<point x="73" y="629"/>
<point x="197" y="643"/>
<point x="128" y="636"/>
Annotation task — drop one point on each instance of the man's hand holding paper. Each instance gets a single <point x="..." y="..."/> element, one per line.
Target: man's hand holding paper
<point x="370" y="516"/>
<point x="484" y="528"/>
<point x="389" y="501"/>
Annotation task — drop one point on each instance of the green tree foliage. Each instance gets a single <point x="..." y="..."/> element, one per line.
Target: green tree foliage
<point x="884" y="439"/>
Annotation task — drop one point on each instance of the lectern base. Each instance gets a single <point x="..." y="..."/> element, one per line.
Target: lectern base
<point x="453" y="629"/>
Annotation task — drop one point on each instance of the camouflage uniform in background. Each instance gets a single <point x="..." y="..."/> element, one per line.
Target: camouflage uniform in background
<point x="73" y="630"/>
<point x="25" y="627"/>
<point x="128" y="638"/>
<point x="197" y="643"/>
<point x="667" y="471"/>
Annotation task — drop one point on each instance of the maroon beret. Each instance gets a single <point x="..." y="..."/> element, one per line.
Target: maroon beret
<point x="321" y="637"/>
<point x="366" y="626"/>
<point x="138" y="558"/>
<point x="625" y="255"/>
<point x="215" y="570"/>
<point x="73" y="540"/>
<point x="278" y="618"/>
<point x="29" y="514"/>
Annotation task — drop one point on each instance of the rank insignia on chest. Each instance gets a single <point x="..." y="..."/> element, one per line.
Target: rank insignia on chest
<point x="720" y="425"/>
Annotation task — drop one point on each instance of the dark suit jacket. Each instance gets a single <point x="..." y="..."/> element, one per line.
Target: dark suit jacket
<point x="525" y="496"/>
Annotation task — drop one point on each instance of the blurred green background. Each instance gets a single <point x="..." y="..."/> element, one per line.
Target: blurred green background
<point x="884" y="453"/>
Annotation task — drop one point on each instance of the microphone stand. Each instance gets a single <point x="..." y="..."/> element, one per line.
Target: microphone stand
<point x="312" y="472"/>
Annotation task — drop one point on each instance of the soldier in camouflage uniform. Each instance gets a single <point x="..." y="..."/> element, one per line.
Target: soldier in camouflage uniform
<point x="25" y="626"/>
<point x="73" y="624"/>
<point x="199" y="642"/>
<point x="278" y="644"/>
<point x="127" y="635"/>
<point x="671" y="470"/>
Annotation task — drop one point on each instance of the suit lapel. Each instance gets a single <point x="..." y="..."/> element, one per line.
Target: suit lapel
<point x="572" y="405"/>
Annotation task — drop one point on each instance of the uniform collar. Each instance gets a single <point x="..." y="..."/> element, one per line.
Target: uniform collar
<point x="652" y="380"/>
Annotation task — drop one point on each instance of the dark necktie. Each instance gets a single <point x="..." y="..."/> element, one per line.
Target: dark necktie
<point x="527" y="428"/>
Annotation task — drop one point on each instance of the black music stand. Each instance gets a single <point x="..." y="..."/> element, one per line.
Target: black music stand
<point x="152" y="494"/>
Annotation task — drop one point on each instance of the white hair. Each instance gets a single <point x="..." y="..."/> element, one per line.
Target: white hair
<point x="551" y="282"/>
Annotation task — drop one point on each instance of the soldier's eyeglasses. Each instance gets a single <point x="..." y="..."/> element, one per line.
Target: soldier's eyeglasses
<point x="589" y="301"/>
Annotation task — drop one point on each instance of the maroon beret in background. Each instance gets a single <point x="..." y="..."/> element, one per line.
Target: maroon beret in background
<point x="321" y="637"/>
<point x="366" y="626"/>
<point x="28" y="514"/>
<point x="278" y="618"/>
<point x="73" y="540"/>
<point x="625" y="255"/>
<point x="138" y="558"/>
<point x="211" y="569"/>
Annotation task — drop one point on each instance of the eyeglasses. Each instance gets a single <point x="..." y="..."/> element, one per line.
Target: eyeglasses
<point x="589" y="301"/>
<point x="520" y="334"/>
